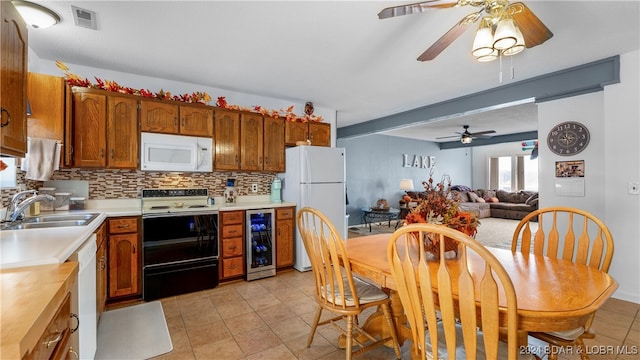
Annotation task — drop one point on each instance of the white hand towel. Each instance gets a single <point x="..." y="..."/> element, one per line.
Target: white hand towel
<point x="42" y="158"/>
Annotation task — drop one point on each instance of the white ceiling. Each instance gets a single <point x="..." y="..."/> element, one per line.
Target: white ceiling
<point x="337" y="54"/>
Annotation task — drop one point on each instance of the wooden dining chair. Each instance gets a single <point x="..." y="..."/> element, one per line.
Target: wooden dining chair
<point x="444" y="323"/>
<point x="574" y="235"/>
<point x="337" y="289"/>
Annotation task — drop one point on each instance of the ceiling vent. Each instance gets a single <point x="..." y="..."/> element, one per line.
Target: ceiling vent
<point x="84" y="18"/>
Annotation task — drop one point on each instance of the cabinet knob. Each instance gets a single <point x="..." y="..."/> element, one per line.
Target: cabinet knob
<point x="134" y="248"/>
<point x="113" y="153"/>
<point x="3" y="110"/>
<point x="101" y="153"/>
<point x="75" y="316"/>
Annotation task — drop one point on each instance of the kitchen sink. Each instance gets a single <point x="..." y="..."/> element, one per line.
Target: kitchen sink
<point x="58" y="218"/>
<point x="51" y="221"/>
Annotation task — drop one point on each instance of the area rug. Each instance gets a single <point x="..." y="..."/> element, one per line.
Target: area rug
<point x="134" y="332"/>
<point x="492" y="232"/>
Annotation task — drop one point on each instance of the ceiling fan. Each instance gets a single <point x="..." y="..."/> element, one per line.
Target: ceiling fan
<point x="505" y="29"/>
<point x="466" y="137"/>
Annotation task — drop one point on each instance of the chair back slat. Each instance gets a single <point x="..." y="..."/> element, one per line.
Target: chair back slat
<point x="593" y="247"/>
<point x="463" y="304"/>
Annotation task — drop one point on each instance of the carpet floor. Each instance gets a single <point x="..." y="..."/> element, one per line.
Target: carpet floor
<point x="134" y="332"/>
<point x="492" y="232"/>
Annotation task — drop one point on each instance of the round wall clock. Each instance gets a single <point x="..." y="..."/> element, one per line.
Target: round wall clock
<point x="568" y="138"/>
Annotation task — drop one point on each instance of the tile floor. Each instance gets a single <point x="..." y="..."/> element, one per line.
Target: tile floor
<point x="270" y="319"/>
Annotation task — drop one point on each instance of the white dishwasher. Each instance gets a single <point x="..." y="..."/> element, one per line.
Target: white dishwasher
<point x="86" y="298"/>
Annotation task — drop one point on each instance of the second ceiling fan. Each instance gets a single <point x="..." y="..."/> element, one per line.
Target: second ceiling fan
<point x="466" y="137"/>
<point x="505" y="29"/>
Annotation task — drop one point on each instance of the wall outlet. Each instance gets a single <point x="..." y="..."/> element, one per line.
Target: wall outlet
<point x="254" y="188"/>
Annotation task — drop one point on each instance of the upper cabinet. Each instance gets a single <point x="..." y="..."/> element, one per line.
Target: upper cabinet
<point x="227" y="140"/>
<point x="251" y="141"/>
<point x="13" y="82"/>
<point x="318" y="133"/>
<point x="105" y="130"/>
<point x="274" y="154"/>
<point x="171" y="118"/>
<point x="159" y="116"/>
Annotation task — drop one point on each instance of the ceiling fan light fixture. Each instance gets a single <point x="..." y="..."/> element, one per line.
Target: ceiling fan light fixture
<point x="505" y="35"/>
<point x="483" y="41"/>
<point x="489" y="57"/>
<point x="466" y="139"/>
<point x="36" y="15"/>
<point x="518" y="47"/>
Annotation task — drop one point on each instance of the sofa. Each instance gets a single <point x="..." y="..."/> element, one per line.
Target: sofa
<point x="492" y="203"/>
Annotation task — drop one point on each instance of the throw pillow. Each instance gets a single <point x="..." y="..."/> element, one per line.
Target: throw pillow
<point x="530" y="199"/>
<point x="463" y="196"/>
<point x="473" y="197"/>
<point x="495" y="199"/>
<point x="487" y="199"/>
<point x="480" y="200"/>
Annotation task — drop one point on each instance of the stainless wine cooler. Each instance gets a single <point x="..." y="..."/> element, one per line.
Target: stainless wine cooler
<point x="261" y="252"/>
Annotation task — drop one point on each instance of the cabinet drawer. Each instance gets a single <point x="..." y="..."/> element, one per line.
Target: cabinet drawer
<point x="232" y="247"/>
<point x="56" y="335"/>
<point x="120" y="226"/>
<point x="231" y="231"/>
<point x="286" y="213"/>
<point x="232" y="267"/>
<point x="232" y="217"/>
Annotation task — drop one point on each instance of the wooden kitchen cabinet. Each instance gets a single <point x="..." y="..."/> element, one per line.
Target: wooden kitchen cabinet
<point x="124" y="257"/>
<point x="122" y="132"/>
<point x="251" y="141"/>
<point x="53" y="344"/>
<point x="101" y="269"/>
<point x="105" y="130"/>
<point x="227" y="139"/>
<point x="274" y="151"/>
<point x="285" y="236"/>
<point x="318" y="133"/>
<point x="159" y="116"/>
<point x="232" y="244"/>
<point x="13" y="82"/>
<point x="47" y="96"/>
<point x="196" y="120"/>
<point x="89" y="129"/>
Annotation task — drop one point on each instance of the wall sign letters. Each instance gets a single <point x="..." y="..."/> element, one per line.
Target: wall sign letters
<point x="419" y="161"/>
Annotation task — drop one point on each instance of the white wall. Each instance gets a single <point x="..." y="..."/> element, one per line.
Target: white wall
<point x="612" y="159"/>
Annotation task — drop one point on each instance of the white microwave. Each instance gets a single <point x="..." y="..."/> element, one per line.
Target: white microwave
<point x="162" y="152"/>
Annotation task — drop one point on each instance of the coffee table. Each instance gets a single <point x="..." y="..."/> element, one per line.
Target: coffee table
<point x="370" y="216"/>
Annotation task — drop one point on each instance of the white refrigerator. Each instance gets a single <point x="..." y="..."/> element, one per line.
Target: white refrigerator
<point x="315" y="177"/>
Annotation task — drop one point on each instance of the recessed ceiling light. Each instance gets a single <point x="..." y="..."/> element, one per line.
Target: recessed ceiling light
<point x="36" y="15"/>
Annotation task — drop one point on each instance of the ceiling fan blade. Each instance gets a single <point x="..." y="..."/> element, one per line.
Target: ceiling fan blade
<point x="447" y="137"/>
<point x="533" y="30"/>
<point x="415" y="8"/>
<point x="480" y="133"/>
<point x="449" y="37"/>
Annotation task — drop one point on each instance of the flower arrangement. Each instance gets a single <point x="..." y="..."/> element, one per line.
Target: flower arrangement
<point x="439" y="207"/>
<point x="195" y="97"/>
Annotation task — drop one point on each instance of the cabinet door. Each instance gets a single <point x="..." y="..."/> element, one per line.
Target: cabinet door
<point x="295" y="131"/>
<point x="123" y="265"/>
<point x="89" y="128"/>
<point x="122" y="132"/>
<point x="251" y="139"/>
<point x="285" y="233"/>
<point x="156" y="116"/>
<point x="227" y="140"/>
<point x="46" y="96"/>
<point x="320" y="134"/>
<point x="196" y="121"/>
<point x="13" y="82"/>
<point x="274" y="154"/>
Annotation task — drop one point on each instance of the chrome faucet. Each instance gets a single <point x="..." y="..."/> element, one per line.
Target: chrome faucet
<point x="13" y="204"/>
<point x="18" y="210"/>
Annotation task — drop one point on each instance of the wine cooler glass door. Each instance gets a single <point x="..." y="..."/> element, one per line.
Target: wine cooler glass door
<point x="261" y="244"/>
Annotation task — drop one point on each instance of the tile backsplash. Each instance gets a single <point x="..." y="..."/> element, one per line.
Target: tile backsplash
<point x="127" y="184"/>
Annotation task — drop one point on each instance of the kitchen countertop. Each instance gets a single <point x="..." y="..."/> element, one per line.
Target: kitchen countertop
<point x="30" y="298"/>
<point x="28" y="247"/>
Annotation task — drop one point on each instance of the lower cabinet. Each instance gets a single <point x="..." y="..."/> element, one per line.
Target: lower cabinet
<point x="285" y="235"/>
<point x="231" y="244"/>
<point x="53" y="344"/>
<point x="101" y="269"/>
<point x="124" y="257"/>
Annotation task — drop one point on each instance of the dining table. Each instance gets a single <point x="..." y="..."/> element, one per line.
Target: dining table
<point x="552" y="294"/>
